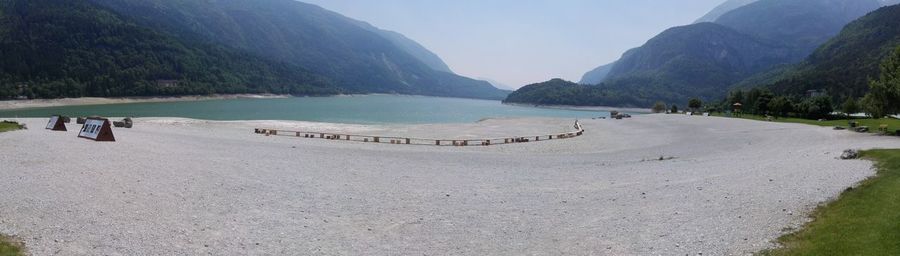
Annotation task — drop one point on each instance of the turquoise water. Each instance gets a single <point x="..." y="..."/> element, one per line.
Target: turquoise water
<point x="367" y="109"/>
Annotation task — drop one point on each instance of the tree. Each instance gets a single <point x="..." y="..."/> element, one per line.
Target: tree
<point x="659" y="107"/>
<point x="872" y="106"/>
<point x="762" y="101"/>
<point x="695" y="104"/>
<point x="736" y="97"/>
<point x="780" y="106"/>
<point x="851" y="106"/>
<point x="884" y="94"/>
<point x="816" y="107"/>
<point x="674" y="109"/>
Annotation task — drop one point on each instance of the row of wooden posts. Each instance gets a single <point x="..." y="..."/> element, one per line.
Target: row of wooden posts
<point x="420" y="141"/>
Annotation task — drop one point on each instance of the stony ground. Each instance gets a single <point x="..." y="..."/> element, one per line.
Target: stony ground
<point x="188" y="187"/>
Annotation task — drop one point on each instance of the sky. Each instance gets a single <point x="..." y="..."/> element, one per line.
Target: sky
<point x="519" y="42"/>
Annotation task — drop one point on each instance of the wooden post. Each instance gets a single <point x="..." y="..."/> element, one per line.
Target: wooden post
<point x="437" y="143"/>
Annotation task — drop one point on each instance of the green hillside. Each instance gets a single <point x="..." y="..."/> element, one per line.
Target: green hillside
<point x="358" y="58"/>
<point x="73" y="48"/>
<point x="844" y="65"/>
<point x="562" y="92"/>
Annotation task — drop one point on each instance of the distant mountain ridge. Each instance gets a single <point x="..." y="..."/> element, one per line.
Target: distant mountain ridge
<point x="412" y="47"/>
<point x="723" y="8"/>
<point x="844" y="65"/>
<point x="706" y="59"/>
<point x="800" y="24"/>
<point x="693" y="61"/>
<point x="598" y="75"/>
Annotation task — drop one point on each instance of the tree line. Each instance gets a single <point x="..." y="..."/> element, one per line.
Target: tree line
<point x="882" y="99"/>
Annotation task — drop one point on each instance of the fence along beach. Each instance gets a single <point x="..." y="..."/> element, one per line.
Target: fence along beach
<point x="578" y="130"/>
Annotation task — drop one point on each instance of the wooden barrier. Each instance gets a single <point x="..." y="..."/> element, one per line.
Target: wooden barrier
<point x="579" y="130"/>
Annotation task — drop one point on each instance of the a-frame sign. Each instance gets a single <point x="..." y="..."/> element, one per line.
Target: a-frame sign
<point x="56" y="124"/>
<point x="97" y="129"/>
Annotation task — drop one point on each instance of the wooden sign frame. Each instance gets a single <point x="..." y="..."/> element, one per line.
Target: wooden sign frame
<point x="97" y="129"/>
<point x="56" y="124"/>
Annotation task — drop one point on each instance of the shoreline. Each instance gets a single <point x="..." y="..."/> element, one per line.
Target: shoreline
<point x="583" y="108"/>
<point x="42" y="103"/>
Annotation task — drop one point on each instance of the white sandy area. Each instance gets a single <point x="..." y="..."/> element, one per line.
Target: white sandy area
<point x="39" y="103"/>
<point x="190" y="187"/>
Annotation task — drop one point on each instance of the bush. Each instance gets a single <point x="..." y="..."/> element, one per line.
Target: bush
<point x="695" y="104"/>
<point x="851" y="106"/>
<point x="659" y="107"/>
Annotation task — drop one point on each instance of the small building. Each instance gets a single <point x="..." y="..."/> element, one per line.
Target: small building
<point x="167" y="83"/>
<point x="815" y="93"/>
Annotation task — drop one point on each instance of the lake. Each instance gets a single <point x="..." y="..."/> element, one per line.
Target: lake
<point x="361" y="109"/>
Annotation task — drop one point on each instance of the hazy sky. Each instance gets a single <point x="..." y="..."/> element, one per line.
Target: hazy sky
<point x="518" y="42"/>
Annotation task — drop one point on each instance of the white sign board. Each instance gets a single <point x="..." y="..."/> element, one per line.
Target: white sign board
<point x="52" y="122"/>
<point x="91" y="128"/>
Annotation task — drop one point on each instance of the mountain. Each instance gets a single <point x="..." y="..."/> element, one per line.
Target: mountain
<point x="358" y="58"/>
<point x="692" y="61"/>
<point x="409" y="46"/>
<point x="889" y="2"/>
<point x="723" y="8"/>
<point x="598" y="75"/>
<point x="73" y="48"/>
<point x="844" y="65"/>
<point x="801" y="24"/>
<point x="498" y="84"/>
<point x="706" y="59"/>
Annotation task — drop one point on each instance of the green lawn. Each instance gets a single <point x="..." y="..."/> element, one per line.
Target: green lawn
<point x="873" y="124"/>
<point x="5" y="127"/>
<point x="8" y="249"/>
<point x="863" y="221"/>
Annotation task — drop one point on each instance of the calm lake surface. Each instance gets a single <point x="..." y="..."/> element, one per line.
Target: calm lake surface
<point x="365" y="109"/>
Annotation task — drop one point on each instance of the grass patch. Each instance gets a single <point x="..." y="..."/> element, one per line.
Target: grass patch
<point x="6" y="126"/>
<point x="10" y="248"/>
<point x="863" y="221"/>
<point x="873" y="124"/>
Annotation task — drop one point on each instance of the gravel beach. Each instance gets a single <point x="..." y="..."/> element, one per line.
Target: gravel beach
<point x="188" y="187"/>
